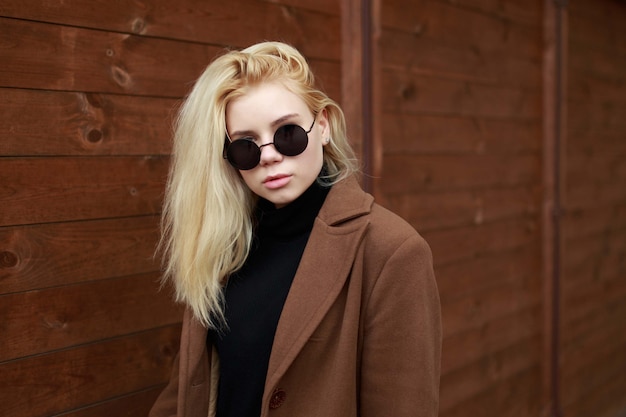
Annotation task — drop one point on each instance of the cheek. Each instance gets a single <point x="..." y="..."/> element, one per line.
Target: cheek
<point x="319" y="155"/>
<point x="247" y="177"/>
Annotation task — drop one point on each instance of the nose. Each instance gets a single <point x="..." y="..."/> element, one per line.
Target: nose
<point x="269" y="154"/>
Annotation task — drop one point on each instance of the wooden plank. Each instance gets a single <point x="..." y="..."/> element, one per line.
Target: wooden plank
<point x="486" y="240"/>
<point x="56" y="318"/>
<point x="585" y="195"/>
<point x="465" y="28"/>
<point x="587" y="142"/>
<point x="608" y="365"/>
<point x="409" y="92"/>
<point x="482" y="376"/>
<point x="40" y="190"/>
<point x="601" y="11"/>
<point x="500" y="333"/>
<point x="602" y="63"/>
<point x="601" y="166"/>
<point x="597" y="118"/>
<point x="603" y="23"/>
<point x="41" y="256"/>
<point x="517" y="396"/>
<point x="605" y="400"/>
<point x="584" y="86"/>
<point x="471" y="277"/>
<point x="42" y="123"/>
<point x="597" y="84"/>
<point x="587" y="33"/>
<point x="414" y="173"/>
<point x="430" y="56"/>
<point x="77" y="59"/>
<point x="71" y="58"/>
<point x="522" y="11"/>
<point x="602" y="298"/>
<point x="236" y="23"/>
<point x="475" y="311"/>
<point x="586" y="301"/>
<point x="574" y="331"/>
<point x="424" y="133"/>
<point x="439" y="210"/>
<point x="132" y="405"/>
<point x="594" y="221"/>
<point x="331" y="7"/>
<point x="68" y="379"/>
<point x="593" y="259"/>
<point x="603" y="251"/>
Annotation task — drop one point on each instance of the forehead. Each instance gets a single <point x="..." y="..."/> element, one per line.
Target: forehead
<point x="263" y="103"/>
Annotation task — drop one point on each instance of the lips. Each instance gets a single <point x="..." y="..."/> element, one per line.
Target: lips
<point x="273" y="182"/>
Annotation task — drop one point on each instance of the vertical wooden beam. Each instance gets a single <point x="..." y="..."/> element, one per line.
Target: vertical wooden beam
<point x="554" y="117"/>
<point x="352" y="71"/>
<point x="376" y="137"/>
<point x="357" y="82"/>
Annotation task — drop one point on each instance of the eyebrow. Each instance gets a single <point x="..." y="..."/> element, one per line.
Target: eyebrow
<point x="274" y="124"/>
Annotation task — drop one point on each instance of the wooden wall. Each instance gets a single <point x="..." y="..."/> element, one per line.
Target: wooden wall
<point x="460" y="104"/>
<point x="87" y="92"/>
<point x="593" y="322"/>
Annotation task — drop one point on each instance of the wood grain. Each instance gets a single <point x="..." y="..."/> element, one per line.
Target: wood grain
<point x="68" y="379"/>
<point x="56" y="189"/>
<point x="592" y="365"/>
<point x="131" y="405"/>
<point x="48" y="123"/>
<point x="76" y="59"/>
<point x="46" y="320"/>
<point x="236" y="23"/>
<point x="450" y="134"/>
<point x="417" y="173"/>
<point x="410" y="92"/>
<point x="50" y="255"/>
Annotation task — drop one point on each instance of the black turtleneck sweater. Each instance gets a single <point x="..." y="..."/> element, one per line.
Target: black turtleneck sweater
<point x="255" y="296"/>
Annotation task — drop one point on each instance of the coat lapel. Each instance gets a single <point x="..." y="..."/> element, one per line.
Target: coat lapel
<point x="322" y="272"/>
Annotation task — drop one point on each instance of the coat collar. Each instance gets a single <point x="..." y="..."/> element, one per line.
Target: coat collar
<point x="345" y="201"/>
<point x="323" y="270"/>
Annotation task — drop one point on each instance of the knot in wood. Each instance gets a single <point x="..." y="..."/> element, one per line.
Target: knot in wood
<point x="8" y="259"/>
<point x="94" y="100"/>
<point x="408" y="91"/>
<point x="138" y="25"/>
<point x="120" y="76"/>
<point x="94" y="135"/>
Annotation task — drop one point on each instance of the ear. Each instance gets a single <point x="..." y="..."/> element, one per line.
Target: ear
<point x="324" y="125"/>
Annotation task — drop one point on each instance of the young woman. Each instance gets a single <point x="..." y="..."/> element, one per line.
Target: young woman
<point x="304" y="297"/>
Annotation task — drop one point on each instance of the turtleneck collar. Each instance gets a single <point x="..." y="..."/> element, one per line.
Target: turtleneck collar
<point x="293" y="219"/>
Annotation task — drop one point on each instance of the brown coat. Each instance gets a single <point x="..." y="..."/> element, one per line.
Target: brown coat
<point x="360" y="332"/>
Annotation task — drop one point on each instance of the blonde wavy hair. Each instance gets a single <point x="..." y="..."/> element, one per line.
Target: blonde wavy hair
<point x="207" y="223"/>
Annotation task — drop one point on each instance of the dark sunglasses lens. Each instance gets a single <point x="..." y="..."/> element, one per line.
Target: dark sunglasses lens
<point x="243" y="154"/>
<point x="290" y="140"/>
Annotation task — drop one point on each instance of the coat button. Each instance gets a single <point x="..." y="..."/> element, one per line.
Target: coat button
<point x="278" y="398"/>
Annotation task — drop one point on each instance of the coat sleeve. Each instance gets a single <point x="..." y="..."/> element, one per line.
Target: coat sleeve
<point x="401" y="350"/>
<point x="188" y="392"/>
<point x="166" y="403"/>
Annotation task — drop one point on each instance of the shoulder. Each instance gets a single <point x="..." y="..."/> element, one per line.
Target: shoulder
<point x="348" y="206"/>
<point x="388" y="234"/>
<point x="387" y="223"/>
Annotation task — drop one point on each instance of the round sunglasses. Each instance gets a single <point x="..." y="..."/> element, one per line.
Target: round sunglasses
<point x="245" y="154"/>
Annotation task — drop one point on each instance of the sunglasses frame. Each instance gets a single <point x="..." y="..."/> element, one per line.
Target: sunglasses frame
<point x="228" y="142"/>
